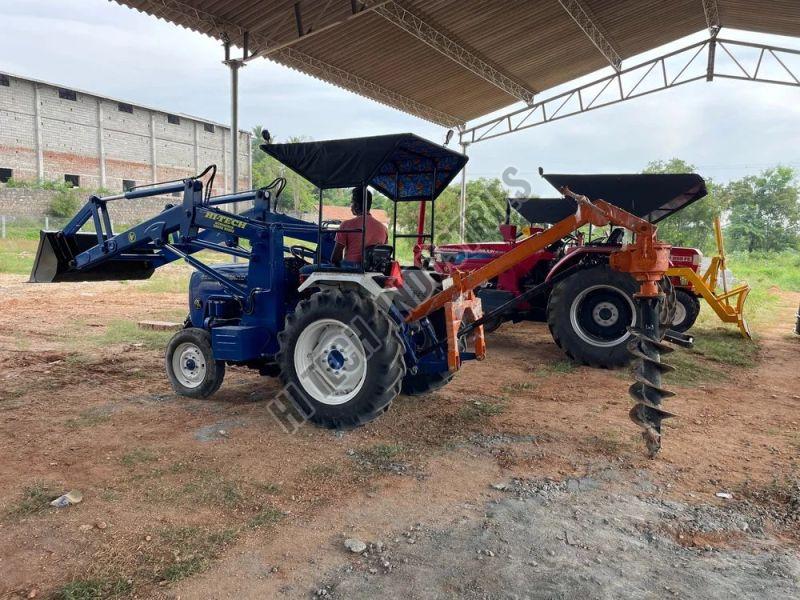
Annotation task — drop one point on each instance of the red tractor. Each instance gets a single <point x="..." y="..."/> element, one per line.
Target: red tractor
<point x="587" y="305"/>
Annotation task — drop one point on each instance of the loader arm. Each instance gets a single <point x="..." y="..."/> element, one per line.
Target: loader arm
<point x="197" y="223"/>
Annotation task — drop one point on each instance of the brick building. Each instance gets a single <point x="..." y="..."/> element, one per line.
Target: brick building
<point x="53" y="133"/>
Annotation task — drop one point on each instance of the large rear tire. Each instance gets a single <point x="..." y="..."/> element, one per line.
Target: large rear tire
<point x="341" y="359"/>
<point x="589" y="313"/>
<point x="687" y="310"/>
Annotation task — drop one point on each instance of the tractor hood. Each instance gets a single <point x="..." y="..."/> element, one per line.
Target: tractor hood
<point x="650" y="196"/>
<point x="401" y="166"/>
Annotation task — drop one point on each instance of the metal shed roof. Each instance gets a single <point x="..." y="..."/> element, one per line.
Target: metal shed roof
<point x="451" y="61"/>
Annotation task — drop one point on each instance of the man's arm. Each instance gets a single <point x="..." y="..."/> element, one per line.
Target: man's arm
<point x="337" y="254"/>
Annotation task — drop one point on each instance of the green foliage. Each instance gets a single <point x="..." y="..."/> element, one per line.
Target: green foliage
<point x="764" y="211"/>
<point x="766" y="269"/>
<point x="692" y="226"/>
<point x="65" y="203"/>
<point x="94" y="589"/>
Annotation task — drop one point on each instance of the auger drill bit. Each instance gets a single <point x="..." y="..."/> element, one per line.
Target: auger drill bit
<point x="647" y="347"/>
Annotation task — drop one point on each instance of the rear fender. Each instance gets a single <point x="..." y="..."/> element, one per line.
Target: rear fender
<point x="576" y="255"/>
<point x="363" y="281"/>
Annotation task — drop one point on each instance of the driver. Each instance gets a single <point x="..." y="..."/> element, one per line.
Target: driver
<point x="347" y="251"/>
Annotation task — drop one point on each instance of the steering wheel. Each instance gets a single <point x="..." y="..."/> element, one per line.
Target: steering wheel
<point x="301" y="253"/>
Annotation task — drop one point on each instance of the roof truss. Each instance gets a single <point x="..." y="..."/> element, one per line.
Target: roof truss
<point x="431" y="34"/>
<point x="291" y="57"/>
<point x="580" y="14"/>
<point x="711" y="11"/>
<point x="661" y="73"/>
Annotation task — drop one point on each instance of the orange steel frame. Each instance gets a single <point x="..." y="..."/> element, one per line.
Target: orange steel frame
<point x="646" y="259"/>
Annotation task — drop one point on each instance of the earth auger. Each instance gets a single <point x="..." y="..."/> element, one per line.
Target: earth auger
<point x="646" y="259"/>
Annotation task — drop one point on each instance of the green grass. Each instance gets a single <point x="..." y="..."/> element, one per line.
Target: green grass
<point x="94" y="589"/>
<point x="715" y="348"/>
<point x="265" y="517"/>
<point x="122" y="331"/>
<point x="87" y="418"/>
<point x="781" y="269"/>
<point x="35" y="498"/>
<point x="560" y="366"/>
<point x="475" y="410"/>
<point x="193" y="550"/>
<point x="138" y="456"/>
<point x="16" y="256"/>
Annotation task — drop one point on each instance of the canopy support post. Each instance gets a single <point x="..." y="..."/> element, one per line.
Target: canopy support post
<point x="462" y="205"/>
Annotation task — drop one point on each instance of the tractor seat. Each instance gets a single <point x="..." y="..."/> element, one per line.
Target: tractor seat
<point x="616" y="237"/>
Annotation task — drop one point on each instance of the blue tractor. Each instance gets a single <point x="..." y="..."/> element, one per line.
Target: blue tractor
<point x="338" y="337"/>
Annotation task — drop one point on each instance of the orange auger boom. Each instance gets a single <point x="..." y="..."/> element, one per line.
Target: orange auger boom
<point x="646" y="259"/>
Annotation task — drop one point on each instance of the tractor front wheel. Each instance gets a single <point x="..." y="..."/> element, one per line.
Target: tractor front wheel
<point x="190" y="364"/>
<point x="341" y="359"/>
<point x="687" y="309"/>
<point x="589" y="313"/>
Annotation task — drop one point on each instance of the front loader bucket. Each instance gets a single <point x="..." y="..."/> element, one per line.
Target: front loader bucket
<point x="55" y="261"/>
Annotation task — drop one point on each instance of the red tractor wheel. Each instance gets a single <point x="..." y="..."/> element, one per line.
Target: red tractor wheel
<point x="589" y="313"/>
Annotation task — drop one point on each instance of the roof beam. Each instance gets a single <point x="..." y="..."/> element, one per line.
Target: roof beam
<point x="208" y="24"/>
<point x="582" y="17"/>
<point x="711" y="10"/>
<point x="305" y="63"/>
<point x="432" y="35"/>
<point x="301" y="32"/>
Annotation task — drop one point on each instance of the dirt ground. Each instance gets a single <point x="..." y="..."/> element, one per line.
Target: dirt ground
<point x="523" y="478"/>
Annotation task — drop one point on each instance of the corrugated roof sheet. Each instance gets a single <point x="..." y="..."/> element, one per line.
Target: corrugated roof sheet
<point x="535" y="44"/>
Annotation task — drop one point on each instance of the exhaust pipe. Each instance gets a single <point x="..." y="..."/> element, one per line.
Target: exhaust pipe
<point x="55" y="260"/>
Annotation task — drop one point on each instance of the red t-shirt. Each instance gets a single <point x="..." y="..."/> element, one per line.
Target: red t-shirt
<point x="376" y="234"/>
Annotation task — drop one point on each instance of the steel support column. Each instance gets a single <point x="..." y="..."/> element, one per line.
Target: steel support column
<point x="462" y="204"/>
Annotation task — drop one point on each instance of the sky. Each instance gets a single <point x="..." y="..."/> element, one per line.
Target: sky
<point x="726" y="129"/>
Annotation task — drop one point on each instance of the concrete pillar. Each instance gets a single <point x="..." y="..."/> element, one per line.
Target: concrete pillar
<point x="225" y="187"/>
<point x="37" y="121"/>
<point x="153" y="152"/>
<point x="101" y="144"/>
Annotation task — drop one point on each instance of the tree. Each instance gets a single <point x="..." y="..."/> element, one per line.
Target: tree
<point x="692" y="226"/>
<point x="299" y="194"/>
<point x="764" y="211"/>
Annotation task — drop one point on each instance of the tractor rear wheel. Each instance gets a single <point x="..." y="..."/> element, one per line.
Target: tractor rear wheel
<point x="341" y="359"/>
<point x="589" y="313"/>
<point x="190" y="364"/>
<point x="687" y="309"/>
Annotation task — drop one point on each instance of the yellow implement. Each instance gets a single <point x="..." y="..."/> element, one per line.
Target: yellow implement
<point x="729" y="304"/>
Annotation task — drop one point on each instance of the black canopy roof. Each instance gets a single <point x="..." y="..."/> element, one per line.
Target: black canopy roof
<point x="543" y="210"/>
<point x="650" y="196"/>
<point x="401" y="166"/>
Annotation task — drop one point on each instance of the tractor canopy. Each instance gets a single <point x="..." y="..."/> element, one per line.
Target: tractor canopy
<point x="649" y="196"/>
<point x="401" y="166"/>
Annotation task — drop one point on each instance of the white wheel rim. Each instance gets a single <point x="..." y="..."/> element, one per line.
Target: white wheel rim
<point x="680" y="313"/>
<point x="189" y="365"/>
<point x="330" y="362"/>
<point x="600" y="317"/>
